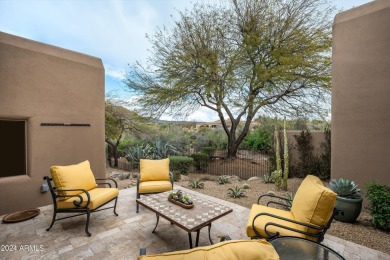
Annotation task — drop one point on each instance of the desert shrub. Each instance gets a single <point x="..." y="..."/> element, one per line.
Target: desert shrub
<point x="236" y="192"/>
<point x="379" y="196"/>
<point x="201" y="161"/>
<point x="196" y="184"/>
<point x="259" y="140"/>
<point x="223" y="179"/>
<point x="180" y="165"/>
<point x="209" y="150"/>
<point x="308" y="162"/>
<point x="245" y="186"/>
<point x="324" y="168"/>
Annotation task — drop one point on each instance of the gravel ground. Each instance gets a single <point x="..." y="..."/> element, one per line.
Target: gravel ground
<point x="360" y="232"/>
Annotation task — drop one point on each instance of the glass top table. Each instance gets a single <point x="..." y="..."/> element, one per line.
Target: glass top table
<point x="300" y="248"/>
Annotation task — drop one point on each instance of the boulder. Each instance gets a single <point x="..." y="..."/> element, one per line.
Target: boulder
<point x="254" y="178"/>
<point x="184" y="178"/>
<point x="233" y="178"/>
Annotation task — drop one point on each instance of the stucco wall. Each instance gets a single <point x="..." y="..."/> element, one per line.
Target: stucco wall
<point x="46" y="84"/>
<point x="361" y="94"/>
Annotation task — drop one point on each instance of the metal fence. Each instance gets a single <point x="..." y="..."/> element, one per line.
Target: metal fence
<point x="247" y="164"/>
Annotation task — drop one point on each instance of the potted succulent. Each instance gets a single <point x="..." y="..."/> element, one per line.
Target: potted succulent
<point x="181" y="200"/>
<point x="348" y="200"/>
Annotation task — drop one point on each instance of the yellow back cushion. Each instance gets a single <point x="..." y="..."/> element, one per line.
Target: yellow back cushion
<point x="154" y="170"/>
<point x="78" y="176"/>
<point x="228" y="250"/>
<point x="313" y="203"/>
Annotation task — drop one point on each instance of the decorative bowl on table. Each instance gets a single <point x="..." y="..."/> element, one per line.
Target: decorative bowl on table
<point x="181" y="200"/>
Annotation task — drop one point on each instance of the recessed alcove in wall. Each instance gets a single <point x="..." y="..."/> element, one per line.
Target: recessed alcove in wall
<point x="12" y="148"/>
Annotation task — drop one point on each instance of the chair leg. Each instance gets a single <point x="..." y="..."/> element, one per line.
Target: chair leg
<point x="53" y="220"/>
<point x="116" y="200"/>
<point x="87" y="224"/>
<point x="138" y="197"/>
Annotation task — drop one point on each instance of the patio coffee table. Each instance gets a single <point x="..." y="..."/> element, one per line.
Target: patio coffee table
<point x="191" y="220"/>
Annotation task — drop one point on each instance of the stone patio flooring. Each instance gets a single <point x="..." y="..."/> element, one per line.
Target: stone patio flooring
<point x="121" y="237"/>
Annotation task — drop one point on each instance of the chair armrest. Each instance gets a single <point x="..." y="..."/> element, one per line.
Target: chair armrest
<point x="75" y="202"/>
<point x="275" y="202"/>
<point x="274" y="235"/>
<point x="107" y="183"/>
<point x="142" y="251"/>
<point x="272" y="196"/>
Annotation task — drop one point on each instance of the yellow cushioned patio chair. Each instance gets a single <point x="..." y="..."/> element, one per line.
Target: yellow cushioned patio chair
<point x="154" y="177"/>
<point x="227" y="250"/>
<point x="310" y="214"/>
<point x="75" y="190"/>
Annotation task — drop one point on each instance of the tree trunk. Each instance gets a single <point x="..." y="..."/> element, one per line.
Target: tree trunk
<point x="114" y="152"/>
<point x="232" y="151"/>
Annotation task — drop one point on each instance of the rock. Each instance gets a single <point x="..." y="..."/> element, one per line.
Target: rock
<point x="254" y="178"/>
<point x="184" y="178"/>
<point x="233" y="178"/>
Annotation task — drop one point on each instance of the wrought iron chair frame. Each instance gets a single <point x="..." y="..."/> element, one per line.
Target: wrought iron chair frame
<point x="171" y="179"/>
<point x="320" y="235"/>
<point x="82" y="210"/>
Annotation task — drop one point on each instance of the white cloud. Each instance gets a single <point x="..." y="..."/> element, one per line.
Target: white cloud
<point x="118" y="74"/>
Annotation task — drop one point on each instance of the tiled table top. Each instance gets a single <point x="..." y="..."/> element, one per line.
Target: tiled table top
<point x="204" y="211"/>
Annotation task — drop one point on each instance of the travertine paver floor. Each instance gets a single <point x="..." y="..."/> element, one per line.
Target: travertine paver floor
<point x="121" y="237"/>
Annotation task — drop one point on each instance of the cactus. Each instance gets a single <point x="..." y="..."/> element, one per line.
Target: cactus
<point x="281" y="175"/>
<point x="286" y="158"/>
<point x="245" y="186"/>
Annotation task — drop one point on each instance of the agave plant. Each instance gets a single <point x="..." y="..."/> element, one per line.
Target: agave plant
<point x="236" y="192"/>
<point x="196" y="184"/>
<point x="164" y="150"/>
<point x="345" y="188"/>
<point x="268" y="178"/>
<point x="223" y="179"/>
<point x="289" y="201"/>
<point x="135" y="153"/>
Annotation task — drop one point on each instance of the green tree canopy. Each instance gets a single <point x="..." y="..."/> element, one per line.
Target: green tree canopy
<point x="118" y="121"/>
<point x="239" y="58"/>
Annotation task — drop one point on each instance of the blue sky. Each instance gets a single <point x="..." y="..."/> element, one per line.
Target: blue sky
<point x="113" y="30"/>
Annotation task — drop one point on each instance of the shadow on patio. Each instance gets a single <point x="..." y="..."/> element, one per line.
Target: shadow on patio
<point x="121" y="237"/>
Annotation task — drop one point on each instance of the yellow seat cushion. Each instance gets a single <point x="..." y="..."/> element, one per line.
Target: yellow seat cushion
<point x="154" y="170"/>
<point x="313" y="203"/>
<point x="228" y="250"/>
<point x="261" y="221"/>
<point x="98" y="197"/>
<point x="78" y="176"/>
<point x="154" y="186"/>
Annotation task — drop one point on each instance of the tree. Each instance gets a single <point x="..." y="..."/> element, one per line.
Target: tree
<point x="238" y="59"/>
<point x="119" y="120"/>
